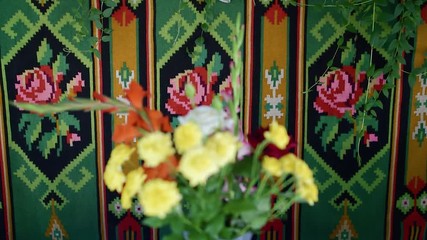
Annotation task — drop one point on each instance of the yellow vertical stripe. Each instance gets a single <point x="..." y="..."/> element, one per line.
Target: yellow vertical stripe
<point x="417" y="154"/>
<point x="274" y="50"/>
<point x="123" y="51"/>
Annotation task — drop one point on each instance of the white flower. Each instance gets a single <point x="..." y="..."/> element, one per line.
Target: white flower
<point x="208" y="119"/>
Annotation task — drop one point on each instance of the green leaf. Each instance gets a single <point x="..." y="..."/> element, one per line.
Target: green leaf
<point x="259" y="221"/>
<point x="60" y="65"/>
<point x="199" y="55"/>
<point x="377" y="73"/>
<point x="412" y="78"/>
<point x="385" y="92"/>
<point x="348" y="54"/>
<point x="238" y="205"/>
<point x="96" y="53"/>
<point x="363" y="63"/>
<point x="95" y="12"/>
<point x="106" y="38"/>
<point x="264" y="204"/>
<point x="33" y="130"/>
<point x="379" y="104"/>
<point x="98" y="23"/>
<point x="110" y="3"/>
<point x="216" y="225"/>
<point x="44" y="53"/>
<point x="153" y="222"/>
<point x="398" y="10"/>
<point x="400" y="59"/>
<point x="48" y="142"/>
<point x="329" y="134"/>
<point x="343" y="144"/>
<point x="243" y="167"/>
<point x="93" y="40"/>
<point x="371" y="121"/>
<point x="69" y="120"/>
<point x="107" y="12"/>
<point x="371" y="71"/>
<point x="107" y="30"/>
<point x="215" y="65"/>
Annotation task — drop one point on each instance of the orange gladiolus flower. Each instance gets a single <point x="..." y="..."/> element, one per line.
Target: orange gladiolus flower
<point x="136" y="95"/>
<point x="125" y="133"/>
<point x="163" y="170"/>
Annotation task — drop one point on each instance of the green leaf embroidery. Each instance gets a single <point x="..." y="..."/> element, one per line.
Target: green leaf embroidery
<point x="60" y="65"/>
<point x="33" y="126"/>
<point x="329" y="134"/>
<point x="68" y="120"/>
<point x="48" y="142"/>
<point x="215" y="64"/>
<point x="343" y="144"/>
<point x="44" y="53"/>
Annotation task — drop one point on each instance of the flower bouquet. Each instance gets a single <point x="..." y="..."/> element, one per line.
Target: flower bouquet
<point x="204" y="179"/>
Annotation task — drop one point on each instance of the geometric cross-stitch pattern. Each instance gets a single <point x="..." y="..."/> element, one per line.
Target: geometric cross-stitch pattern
<point x="330" y="142"/>
<point x="51" y="166"/>
<point x="420" y="131"/>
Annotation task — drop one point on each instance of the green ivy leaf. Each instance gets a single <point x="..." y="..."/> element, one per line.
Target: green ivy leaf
<point x="412" y="78"/>
<point x="106" y="38"/>
<point x="107" y="12"/>
<point x="98" y="23"/>
<point x="96" y="53"/>
<point x="110" y="3"/>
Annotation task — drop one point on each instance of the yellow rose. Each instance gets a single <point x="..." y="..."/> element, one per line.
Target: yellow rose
<point x="288" y="162"/>
<point x="120" y="154"/>
<point x="114" y="177"/>
<point x="302" y="171"/>
<point x="224" y="145"/>
<point x="134" y="181"/>
<point x="154" y="148"/>
<point x="272" y="166"/>
<point x="197" y="165"/>
<point x="308" y="191"/>
<point x="187" y="136"/>
<point x="158" y="197"/>
<point x="278" y="135"/>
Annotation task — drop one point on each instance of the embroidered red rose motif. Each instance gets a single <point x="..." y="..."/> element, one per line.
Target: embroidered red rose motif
<point x="339" y="91"/>
<point x="178" y="102"/>
<point x="38" y="85"/>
